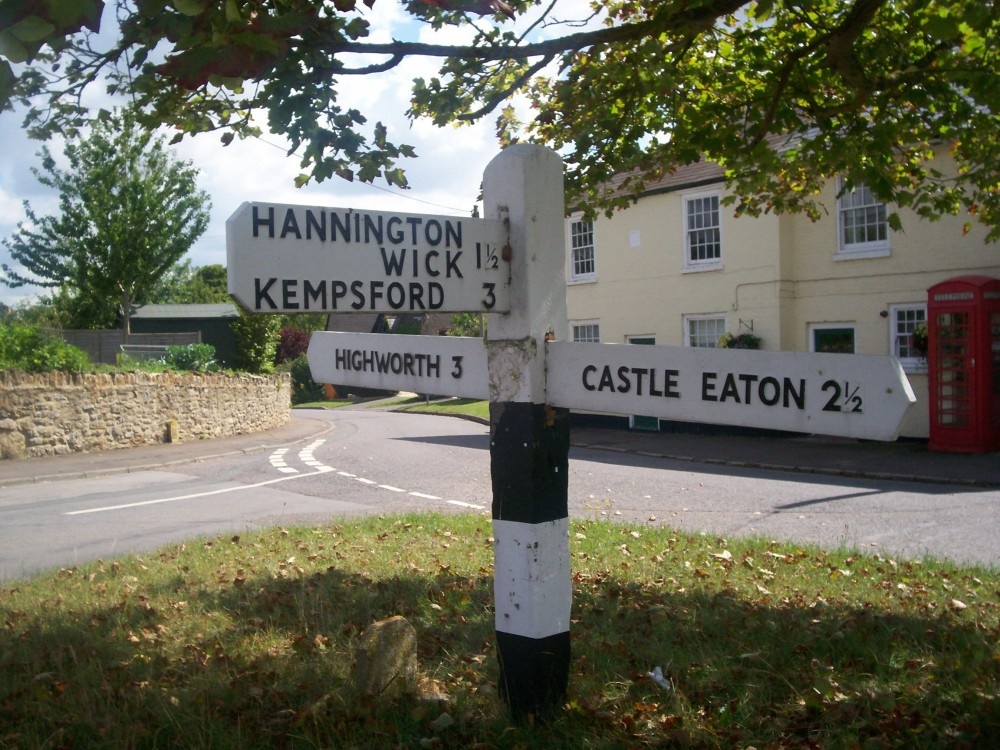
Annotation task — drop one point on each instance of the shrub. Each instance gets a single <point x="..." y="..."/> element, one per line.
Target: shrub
<point x="27" y="348"/>
<point x="293" y="343"/>
<point x="192" y="358"/>
<point x="467" y="324"/>
<point x="304" y="388"/>
<point x="256" y="341"/>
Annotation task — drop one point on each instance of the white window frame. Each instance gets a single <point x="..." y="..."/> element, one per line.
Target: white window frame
<point x="702" y="264"/>
<point x="572" y="238"/>
<point x="851" y="201"/>
<point x="689" y="319"/>
<point x="918" y="313"/>
<point x="814" y="327"/>
<point x="576" y="326"/>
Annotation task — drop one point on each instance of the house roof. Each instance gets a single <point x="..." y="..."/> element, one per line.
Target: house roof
<point x="697" y="173"/>
<point x="428" y="324"/>
<point x="158" y="312"/>
<point x="690" y="175"/>
<point x="352" y="322"/>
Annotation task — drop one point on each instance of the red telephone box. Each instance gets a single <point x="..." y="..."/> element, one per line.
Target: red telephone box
<point x="963" y="364"/>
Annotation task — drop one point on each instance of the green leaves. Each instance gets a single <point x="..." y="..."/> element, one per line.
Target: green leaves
<point x="127" y="213"/>
<point x="18" y="43"/>
<point x="28" y="26"/>
<point x="195" y="7"/>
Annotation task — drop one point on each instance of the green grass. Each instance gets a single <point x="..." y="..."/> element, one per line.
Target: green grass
<point x="332" y="404"/>
<point x="340" y="402"/>
<point x="453" y="406"/>
<point x="246" y="642"/>
<point x="462" y="406"/>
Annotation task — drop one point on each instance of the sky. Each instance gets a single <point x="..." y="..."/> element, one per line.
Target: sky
<point x="444" y="180"/>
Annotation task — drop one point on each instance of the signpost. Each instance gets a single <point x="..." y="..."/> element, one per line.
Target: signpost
<point x="848" y="395"/>
<point x="310" y="259"/>
<point x="441" y="365"/>
<point x="844" y="395"/>
<point x="299" y="259"/>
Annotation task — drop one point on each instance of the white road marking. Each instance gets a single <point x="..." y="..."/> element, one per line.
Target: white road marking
<point x="306" y="455"/>
<point x="460" y="504"/>
<point x="192" y="496"/>
<point x="277" y="460"/>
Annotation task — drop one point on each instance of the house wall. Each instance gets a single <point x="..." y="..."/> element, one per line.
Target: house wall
<point x="780" y="273"/>
<point x="642" y="287"/>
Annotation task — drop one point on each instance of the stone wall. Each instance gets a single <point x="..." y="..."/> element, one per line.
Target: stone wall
<point x="57" y="413"/>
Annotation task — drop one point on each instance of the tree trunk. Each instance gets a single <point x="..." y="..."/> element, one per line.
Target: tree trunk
<point x="126" y="314"/>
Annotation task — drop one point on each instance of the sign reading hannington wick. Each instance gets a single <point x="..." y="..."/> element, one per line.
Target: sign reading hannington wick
<point x="849" y="395"/>
<point x="300" y="259"/>
<point x="441" y="365"/>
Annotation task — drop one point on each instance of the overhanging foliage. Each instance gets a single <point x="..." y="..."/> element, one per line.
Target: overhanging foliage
<point x="783" y="94"/>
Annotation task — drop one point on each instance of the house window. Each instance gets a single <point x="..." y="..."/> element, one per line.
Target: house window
<point x="864" y="230"/>
<point x="581" y="256"/>
<point x="904" y="321"/>
<point x="837" y="338"/>
<point x="702" y="231"/>
<point x="586" y="331"/>
<point x="703" y="330"/>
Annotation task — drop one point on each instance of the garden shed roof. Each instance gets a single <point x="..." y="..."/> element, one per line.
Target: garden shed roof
<point x="220" y="310"/>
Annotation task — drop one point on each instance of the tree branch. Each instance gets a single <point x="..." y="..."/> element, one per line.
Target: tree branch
<point x="699" y="18"/>
<point x="389" y="64"/>
<point x="840" y="44"/>
<point x="499" y="96"/>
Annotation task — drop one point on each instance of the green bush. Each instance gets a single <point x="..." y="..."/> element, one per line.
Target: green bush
<point x="192" y="358"/>
<point x="304" y="388"/>
<point x="257" y="338"/>
<point x="29" y="349"/>
<point x="467" y="324"/>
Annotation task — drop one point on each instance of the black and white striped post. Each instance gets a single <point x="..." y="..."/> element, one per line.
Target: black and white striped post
<point x="529" y="441"/>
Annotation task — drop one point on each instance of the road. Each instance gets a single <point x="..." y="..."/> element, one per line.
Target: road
<point x="374" y="462"/>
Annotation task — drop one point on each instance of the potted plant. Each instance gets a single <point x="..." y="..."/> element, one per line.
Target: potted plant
<point x="918" y="339"/>
<point x="741" y="341"/>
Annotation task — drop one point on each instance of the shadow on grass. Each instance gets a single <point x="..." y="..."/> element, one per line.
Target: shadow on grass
<point x="263" y="661"/>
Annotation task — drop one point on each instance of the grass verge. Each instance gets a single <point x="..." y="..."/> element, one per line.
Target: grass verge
<point x="246" y="642"/>
<point x="463" y="406"/>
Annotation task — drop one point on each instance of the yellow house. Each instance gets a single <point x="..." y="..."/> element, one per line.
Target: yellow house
<point x="677" y="268"/>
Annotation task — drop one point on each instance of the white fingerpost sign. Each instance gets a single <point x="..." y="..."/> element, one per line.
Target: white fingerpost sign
<point x="847" y="395"/>
<point x="300" y="259"/>
<point x="442" y="365"/>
